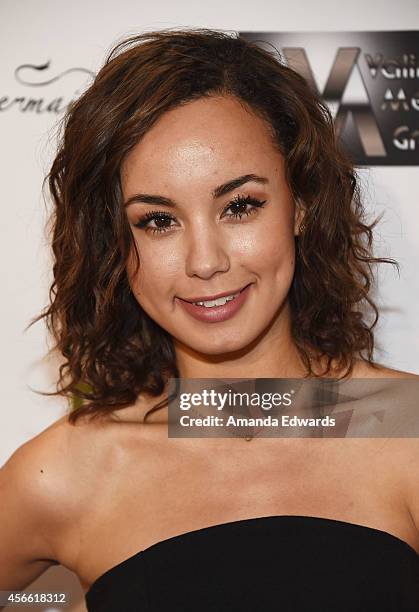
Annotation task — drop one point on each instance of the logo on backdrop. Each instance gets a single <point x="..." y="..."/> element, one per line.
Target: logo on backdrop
<point x="369" y="81"/>
<point x="39" y="86"/>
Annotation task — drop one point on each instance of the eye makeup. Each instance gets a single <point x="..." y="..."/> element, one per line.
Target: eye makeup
<point x="239" y="206"/>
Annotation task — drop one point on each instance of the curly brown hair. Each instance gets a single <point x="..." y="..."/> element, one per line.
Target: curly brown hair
<point x="113" y="350"/>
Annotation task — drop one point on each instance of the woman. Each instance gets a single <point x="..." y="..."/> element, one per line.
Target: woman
<point x="197" y="167"/>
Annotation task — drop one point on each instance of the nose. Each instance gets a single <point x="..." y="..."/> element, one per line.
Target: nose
<point x="206" y="252"/>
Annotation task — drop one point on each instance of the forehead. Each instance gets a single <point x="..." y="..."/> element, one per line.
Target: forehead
<point x="202" y="139"/>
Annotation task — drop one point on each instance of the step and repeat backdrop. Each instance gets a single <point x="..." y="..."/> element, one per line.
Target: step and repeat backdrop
<point x="364" y="64"/>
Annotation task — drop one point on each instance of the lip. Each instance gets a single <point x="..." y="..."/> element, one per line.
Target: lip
<point x="217" y="314"/>
<point x="206" y="298"/>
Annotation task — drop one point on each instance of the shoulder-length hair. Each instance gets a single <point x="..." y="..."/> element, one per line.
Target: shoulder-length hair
<point x="113" y="350"/>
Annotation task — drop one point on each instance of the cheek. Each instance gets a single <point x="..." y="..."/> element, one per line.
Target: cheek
<point x="277" y="265"/>
<point x="158" y="269"/>
<point x="269" y="247"/>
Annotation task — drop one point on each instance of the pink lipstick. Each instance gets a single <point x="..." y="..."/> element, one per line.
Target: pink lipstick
<point x="216" y="314"/>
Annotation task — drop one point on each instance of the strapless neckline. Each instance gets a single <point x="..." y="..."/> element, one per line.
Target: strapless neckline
<point x="196" y="533"/>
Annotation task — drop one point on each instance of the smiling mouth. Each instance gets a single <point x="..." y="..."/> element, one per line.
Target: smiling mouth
<point x="211" y="301"/>
<point x="219" y="302"/>
<point x="217" y="310"/>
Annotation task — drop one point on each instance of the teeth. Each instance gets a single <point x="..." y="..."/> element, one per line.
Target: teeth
<point x="219" y="302"/>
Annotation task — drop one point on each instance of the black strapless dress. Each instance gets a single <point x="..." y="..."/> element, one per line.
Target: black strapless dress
<point x="266" y="564"/>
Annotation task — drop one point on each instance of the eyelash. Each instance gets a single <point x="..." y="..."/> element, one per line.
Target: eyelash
<point x="156" y="214"/>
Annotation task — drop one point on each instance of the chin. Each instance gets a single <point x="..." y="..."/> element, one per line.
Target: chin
<point x="220" y="347"/>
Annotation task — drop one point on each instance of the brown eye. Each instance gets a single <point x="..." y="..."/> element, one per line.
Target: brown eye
<point x="162" y="222"/>
<point x="240" y="205"/>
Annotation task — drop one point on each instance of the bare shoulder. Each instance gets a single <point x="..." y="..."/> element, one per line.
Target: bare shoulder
<point x="44" y="486"/>
<point x="403" y="451"/>
<point x="362" y="369"/>
<point x="34" y="467"/>
<point x="55" y="463"/>
<point x="31" y="509"/>
<point x="44" y="470"/>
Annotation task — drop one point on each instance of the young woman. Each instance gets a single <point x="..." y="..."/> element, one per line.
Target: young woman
<point x="196" y="167"/>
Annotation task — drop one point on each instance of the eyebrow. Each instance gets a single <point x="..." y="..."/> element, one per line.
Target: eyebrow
<point x="221" y="190"/>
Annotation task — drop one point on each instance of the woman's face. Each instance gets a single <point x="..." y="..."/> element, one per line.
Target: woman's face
<point x="200" y="167"/>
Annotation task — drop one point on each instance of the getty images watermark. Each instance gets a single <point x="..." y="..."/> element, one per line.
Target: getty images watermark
<point x="268" y="407"/>
<point x="229" y="400"/>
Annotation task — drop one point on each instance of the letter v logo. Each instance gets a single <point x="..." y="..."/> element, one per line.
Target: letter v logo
<point x="361" y="111"/>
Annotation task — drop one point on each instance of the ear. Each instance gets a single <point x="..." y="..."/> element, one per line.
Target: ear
<point x="299" y="215"/>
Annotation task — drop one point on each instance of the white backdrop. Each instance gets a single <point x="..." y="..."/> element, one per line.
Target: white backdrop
<point x="78" y="34"/>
